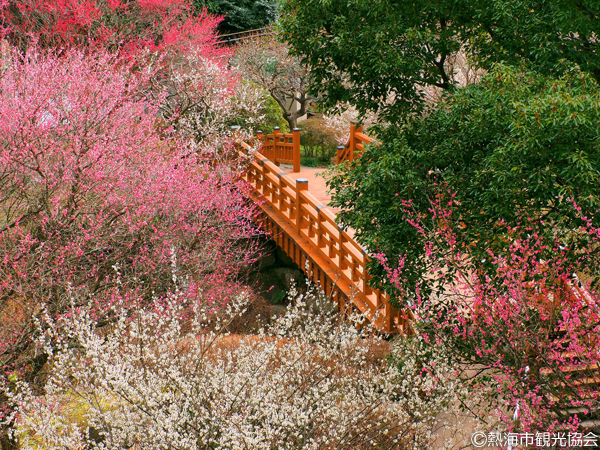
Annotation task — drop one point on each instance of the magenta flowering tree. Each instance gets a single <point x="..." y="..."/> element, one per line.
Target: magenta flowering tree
<point x="128" y="26"/>
<point x="530" y="328"/>
<point x="99" y="200"/>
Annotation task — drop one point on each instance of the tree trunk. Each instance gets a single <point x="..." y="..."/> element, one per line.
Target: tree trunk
<point x="292" y="122"/>
<point x="6" y="443"/>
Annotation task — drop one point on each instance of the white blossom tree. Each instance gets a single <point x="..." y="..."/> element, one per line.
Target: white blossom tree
<point x="172" y="377"/>
<point x="268" y="63"/>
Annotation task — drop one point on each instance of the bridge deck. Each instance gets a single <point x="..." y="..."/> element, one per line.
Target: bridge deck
<point x="317" y="185"/>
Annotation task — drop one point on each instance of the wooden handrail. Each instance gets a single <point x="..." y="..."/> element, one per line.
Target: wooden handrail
<point x="314" y="227"/>
<point x="282" y="148"/>
<point x="355" y="145"/>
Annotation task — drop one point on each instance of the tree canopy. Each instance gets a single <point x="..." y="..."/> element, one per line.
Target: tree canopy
<point x="267" y="62"/>
<point x="242" y="15"/>
<point x="480" y="209"/>
<point x="381" y="55"/>
<point x="517" y="148"/>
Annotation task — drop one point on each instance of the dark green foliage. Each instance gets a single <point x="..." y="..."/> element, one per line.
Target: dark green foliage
<point x="368" y="53"/>
<point x="361" y="52"/>
<point x="242" y="15"/>
<point x="547" y="33"/>
<point x="310" y="161"/>
<point x="517" y="146"/>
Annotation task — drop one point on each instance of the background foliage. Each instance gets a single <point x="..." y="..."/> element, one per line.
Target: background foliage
<point x="381" y="55"/>
<point x="519" y="146"/>
<point x="242" y="15"/>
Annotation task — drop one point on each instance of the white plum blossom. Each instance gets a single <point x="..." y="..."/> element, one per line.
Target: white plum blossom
<point x="172" y="376"/>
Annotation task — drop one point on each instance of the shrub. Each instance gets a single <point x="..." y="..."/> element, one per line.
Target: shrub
<point x="317" y="140"/>
<point x="307" y="381"/>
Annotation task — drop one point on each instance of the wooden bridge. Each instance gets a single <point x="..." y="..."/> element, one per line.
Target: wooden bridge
<point x="297" y="217"/>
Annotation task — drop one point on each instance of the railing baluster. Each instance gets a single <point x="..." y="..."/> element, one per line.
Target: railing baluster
<point x="341" y="241"/>
<point x="351" y="142"/>
<point x="301" y="185"/>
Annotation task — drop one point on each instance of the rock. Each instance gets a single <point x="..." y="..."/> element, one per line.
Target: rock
<point x="288" y="276"/>
<point x="278" y="310"/>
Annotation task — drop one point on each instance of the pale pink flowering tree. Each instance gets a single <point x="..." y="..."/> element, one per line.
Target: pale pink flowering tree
<point x="531" y="330"/>
<point x="96" y="202"/>
<point x="308" y="380"/>
<point x="204" y="98"/>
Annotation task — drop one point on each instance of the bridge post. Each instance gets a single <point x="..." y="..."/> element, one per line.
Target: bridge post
<point x="275" y="158"/>
<point x="235" y="132"/>
<point x="352" y="141"/>
<point x="261" y="139"/>
<point x="358" y="129"/>
<point x="340" y="150"/>
<point x="296" y="141"/>
<point x="301" y="185"/>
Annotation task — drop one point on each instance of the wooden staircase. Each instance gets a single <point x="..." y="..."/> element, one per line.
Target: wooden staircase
<point x="578" y="380"/>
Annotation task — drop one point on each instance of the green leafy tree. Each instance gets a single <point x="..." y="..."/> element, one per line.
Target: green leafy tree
<point x="477" y="209"/>
<point x="242" y="15"/>
<point x="546" y="33"/>
<point x="366" y="53"/>
<point x="382" y="55"/>
<point x="518" y="148"/>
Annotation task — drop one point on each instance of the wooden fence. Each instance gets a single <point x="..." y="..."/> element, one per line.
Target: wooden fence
<point x="307" y="231"/>
<point x="231" y="38"/>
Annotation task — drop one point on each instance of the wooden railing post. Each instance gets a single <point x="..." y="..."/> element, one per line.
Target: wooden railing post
<point x="340" y="153"/>
<point x="358" y="129"/>
<point x="301" y="185"/>
<point x="235" y="132"/>
<point x="275" y="153"/>
<point x="352" y="141"/>
<point x="296" y="150"/>
<point x="261" y="138"/>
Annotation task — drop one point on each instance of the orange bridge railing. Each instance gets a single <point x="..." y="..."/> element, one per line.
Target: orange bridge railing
<point x="281" y="148"/>
<point x="355" y="146"/>
<point x="308" y="232"/>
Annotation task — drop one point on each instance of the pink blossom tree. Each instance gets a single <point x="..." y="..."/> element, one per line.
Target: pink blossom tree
<point x="125" y="25"/>
<point x="204" y="97"/>
<point x="530" y="328"/>
<point x="100" y="201"/>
